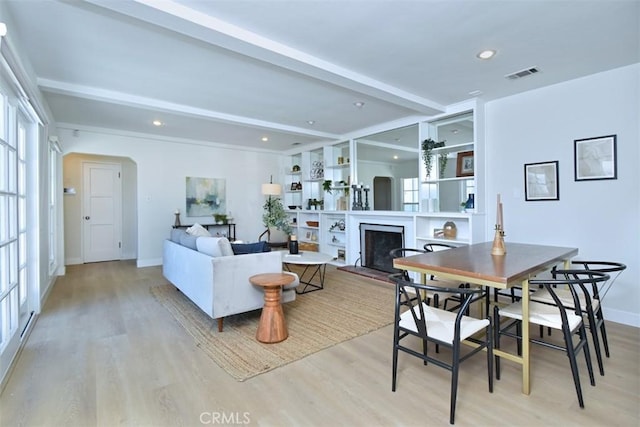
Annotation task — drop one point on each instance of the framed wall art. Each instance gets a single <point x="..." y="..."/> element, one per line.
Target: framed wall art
<point x="541" y="181"/>
<point x="205" y="196"/>
<point x="465" y="164"/>
<point x="595" y="158"/>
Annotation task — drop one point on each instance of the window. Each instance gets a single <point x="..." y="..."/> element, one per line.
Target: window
<point x="410" y="195"/>
<point x="18" y="208"/>
<point x="9" y="239"/>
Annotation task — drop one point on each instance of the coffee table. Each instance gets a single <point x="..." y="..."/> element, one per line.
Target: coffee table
<point x="315" y="265"/>
<point x="272" y="327"/>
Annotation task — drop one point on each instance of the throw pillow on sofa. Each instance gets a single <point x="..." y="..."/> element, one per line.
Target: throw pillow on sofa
<point x="198" y="230"/>
<point x="214" y="246"/>
<point x="250" y="248"/>
<point x="176" y="233"/>
<point x="189" y="241"/>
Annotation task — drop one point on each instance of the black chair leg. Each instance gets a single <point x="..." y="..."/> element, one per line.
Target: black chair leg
<point x="496" y="338"/>
<point x="574" y="366"/>
<point x="490" y="354"/>
<point x="436" y="304"/>
<point x="454" y="384"/>
<point x="587" y="355"/>
<point x="394" y="372"/>
<point x="603" y="332"/>
<point x="593" y="326"/>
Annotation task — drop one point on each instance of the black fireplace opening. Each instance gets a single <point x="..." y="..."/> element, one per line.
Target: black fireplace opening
<point x="376" y="241"/>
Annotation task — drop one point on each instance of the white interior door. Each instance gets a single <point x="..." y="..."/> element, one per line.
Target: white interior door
<point x="101" y="211"/>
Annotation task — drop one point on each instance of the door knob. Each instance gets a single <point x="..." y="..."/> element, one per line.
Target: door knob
<point x="87" y="218"/>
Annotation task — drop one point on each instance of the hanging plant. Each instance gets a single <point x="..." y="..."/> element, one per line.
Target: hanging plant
<point x="427" y="153"/>
<point x="345" y="184"/>
<point x="442" y="162"/>
<point x="326" y="186"/>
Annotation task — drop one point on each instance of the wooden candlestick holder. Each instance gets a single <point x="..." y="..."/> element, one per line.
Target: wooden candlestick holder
<point x="498" y="243"/>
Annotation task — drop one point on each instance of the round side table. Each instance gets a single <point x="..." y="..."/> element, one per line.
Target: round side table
<point x="272" y="327"/>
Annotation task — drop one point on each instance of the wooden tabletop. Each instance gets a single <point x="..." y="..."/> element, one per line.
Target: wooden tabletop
<point x="476" y="264"/>
<point x="272" y="279"/>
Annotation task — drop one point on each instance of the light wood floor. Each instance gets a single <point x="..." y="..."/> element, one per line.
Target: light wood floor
<point x="105" y="353"/>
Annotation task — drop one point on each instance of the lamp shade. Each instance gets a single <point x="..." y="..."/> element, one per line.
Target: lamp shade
<point x="271" y="189"/>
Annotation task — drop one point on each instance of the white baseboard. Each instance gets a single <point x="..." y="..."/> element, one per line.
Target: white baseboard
<point x="624" y="317"/>
<point x="152" y="262"/>
<point x="72" y="261"/>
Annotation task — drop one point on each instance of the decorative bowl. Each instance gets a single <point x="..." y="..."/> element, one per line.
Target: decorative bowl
<point x="313" y="223"/>
<point x="292" y="207"/>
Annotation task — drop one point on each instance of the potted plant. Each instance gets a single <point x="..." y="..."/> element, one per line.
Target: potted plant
<point x="427" y="153"/>
<point x="344" y="184"/>
<point x="220" y="218"/>
<point x="326" y="185"/>
<point x="274" y="216"/>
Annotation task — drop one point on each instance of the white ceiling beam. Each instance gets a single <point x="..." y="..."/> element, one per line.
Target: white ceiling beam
<point x="182" y="19"/>
<point x="121" y="98"/>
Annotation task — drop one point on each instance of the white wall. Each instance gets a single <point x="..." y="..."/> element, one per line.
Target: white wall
<point x="601" y="218"/>
<point x="162" y="167"/>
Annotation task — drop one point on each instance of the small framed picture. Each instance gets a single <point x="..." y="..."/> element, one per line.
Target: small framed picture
<point x="294" y="186"/>
<point x="465" y="166"/>
<point x="595" y="158"/>
<point x="541" y="181"/>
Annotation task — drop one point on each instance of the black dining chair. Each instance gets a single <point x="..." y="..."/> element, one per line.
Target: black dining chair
<point x="555" y="316"/>
<point x="415" y="318"/>
<point x="436" y="246"/>
<point x="432" y="298"/>
<point x="590" y="301"/>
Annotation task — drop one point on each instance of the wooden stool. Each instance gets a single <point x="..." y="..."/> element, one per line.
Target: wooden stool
<point x="272" y="327"/>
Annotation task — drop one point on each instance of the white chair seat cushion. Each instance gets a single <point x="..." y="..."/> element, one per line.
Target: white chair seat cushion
<point x="541" y="314"/>
<point x="544" y="296"/>
<point x="441" y="324"/>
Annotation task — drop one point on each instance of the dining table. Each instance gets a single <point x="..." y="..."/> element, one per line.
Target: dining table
<point x="474" y="264"/>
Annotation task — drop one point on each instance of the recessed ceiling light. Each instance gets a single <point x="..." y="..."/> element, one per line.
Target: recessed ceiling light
<point x="486" y="54"/>
<point x="454" y="131"/>
<point x="311" y="122"/>
<point x="157" y="123"/>
<point x="264" y="139"/>
<point x="475" y="93"/>
<point x="395" y="157"/>
<point x="359" y="104"/>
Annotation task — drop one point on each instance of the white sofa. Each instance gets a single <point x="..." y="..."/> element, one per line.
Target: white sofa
<point x="205" y="270"/>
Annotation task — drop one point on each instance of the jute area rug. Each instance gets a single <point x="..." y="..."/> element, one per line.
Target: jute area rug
<point x="347" y="307"/>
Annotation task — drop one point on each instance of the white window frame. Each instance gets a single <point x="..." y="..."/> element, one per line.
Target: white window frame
<point x="410" y="189"/>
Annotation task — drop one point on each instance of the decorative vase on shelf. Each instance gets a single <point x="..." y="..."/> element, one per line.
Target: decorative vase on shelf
<point x="471" y="202"/>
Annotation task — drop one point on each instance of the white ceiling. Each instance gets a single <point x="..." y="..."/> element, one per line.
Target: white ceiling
<point x="232" y="72"/>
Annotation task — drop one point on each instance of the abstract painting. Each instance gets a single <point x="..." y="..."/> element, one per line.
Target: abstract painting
<point x="206" y="196"/>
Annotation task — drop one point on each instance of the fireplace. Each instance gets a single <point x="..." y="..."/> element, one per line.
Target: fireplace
<point x="376" y="240"/>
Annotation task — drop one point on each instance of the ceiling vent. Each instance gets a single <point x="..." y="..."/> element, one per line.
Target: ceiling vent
<point x="522" y="73"/>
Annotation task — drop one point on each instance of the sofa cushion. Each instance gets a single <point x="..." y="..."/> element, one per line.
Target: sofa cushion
<point x="250" y="248"/>
<point x="189" y="241"/>
<point x="198" y="230"/>
<point x="214" y="246"/>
